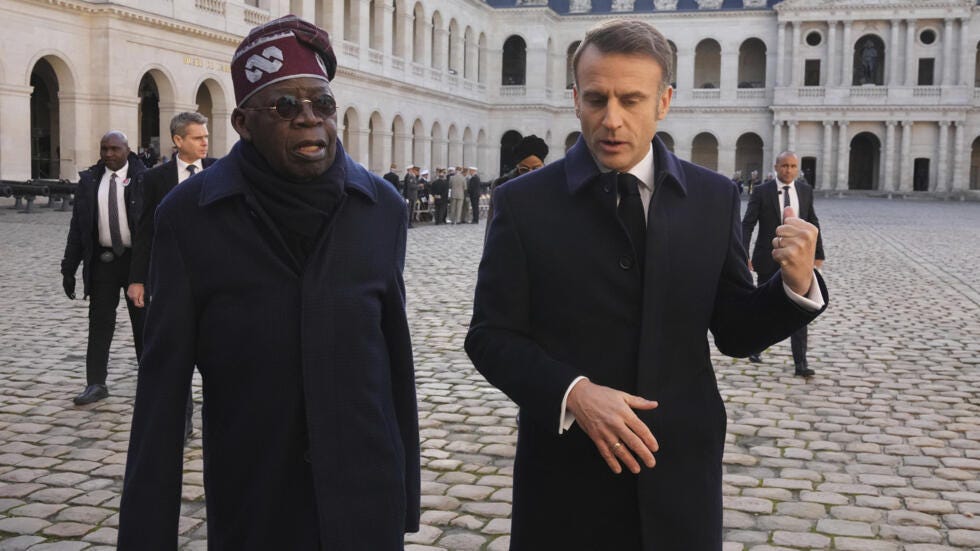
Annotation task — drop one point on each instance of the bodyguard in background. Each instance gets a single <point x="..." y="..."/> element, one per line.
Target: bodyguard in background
<point x="100" y="237"/>
<point x="766" y="206"/>
<point x="189" y="132"/>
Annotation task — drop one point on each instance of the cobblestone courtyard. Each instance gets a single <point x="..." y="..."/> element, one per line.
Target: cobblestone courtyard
<point x="879" y="451"/>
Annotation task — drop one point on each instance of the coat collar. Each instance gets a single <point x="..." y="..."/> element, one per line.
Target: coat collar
<point x="581" y="169"/>
<point x="225" y="179"/>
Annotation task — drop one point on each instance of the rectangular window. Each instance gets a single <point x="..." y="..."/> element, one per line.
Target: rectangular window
<point x="811" y="73"/>
<point x="927" y="71"/>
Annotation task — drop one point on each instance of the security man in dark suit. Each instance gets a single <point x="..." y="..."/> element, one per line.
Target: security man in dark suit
<point x="100" y="238"/>
<point x="766" y="206"/>
<point x="189" y="132"/>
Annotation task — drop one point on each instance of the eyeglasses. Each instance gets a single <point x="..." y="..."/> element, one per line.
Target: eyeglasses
<point x="524" y="169"/>
<point x="289" y="107"/>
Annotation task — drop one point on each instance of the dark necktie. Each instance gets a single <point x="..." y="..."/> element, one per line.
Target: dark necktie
<point x="630" y="212"/>
<point x="114" y="233"/>
<point x="786" y="202"/>
<point x="192" y="169"/>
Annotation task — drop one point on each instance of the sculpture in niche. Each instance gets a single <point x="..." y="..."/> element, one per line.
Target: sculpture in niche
<point x="709" y="4"/>
<point x="623" y="5"/>
<point x="665" y="4"/>
<point x="869" y="62"/>
<point x="580" y="6"/>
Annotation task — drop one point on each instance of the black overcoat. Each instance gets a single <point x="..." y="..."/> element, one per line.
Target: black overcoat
<point x="558" y="296"/>
<point x="83" y="230"/>
<point x="152" y="186"/>
<point x="310" y="420"/>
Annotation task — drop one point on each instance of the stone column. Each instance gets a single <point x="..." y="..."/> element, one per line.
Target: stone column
<point x="440" y="49"/>
<point x="221" y="129"/>
<point x="427" y="46"/>
<point x="404" y="41"/>
<point x="780" y="52"/>
<point x="470" y="65"/>
<point x="942" y="159"/>
<point x="947" y="53"/>
<point x="826" y="163"/>
<point x="402" y="155"/>
<point x="384" y="10"/>
<point x="729" y="73"/>
<point x="362" y="140"/>
<point x="960" y="160"/>
<point x="905" y="169"/>
<point x="423" y="155"/>
<point x="846" y="56"/>
<point x="795" y="64"/>
<point x="777" y="141"/>
<point x="362" y="23"/>
<point x="887" y="182"/>
<point x="380" y="155"/>
<point x="843" y="156"/>
<point x="831" y="71"/>
<point x="910" y="61"/>
<point x="791" y="141"/>
<point x="15" y="132"/>
<point x="439" y="152"/>
<point x="967" y="63"/>
<point x="685" y="71"/>
<point x="892" y="50"/>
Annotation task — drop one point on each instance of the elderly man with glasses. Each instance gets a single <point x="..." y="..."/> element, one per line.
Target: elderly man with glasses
<point x="278" y="272"/>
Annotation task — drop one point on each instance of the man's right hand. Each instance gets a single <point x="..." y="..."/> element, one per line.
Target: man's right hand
<point x="68" y="282"/>
<point x="607" y="416"/>
<point x="135" y="293"/>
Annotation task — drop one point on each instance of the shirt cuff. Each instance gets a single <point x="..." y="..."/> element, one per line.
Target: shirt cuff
<point x="813" y="300"/>
<point x="567" y="418"/>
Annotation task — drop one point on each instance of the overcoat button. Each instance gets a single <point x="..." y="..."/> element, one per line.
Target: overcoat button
<point x="626" y="262"/>
<point x="606" y="188"/>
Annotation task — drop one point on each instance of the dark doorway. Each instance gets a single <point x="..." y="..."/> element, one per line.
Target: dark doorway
<point x="149" y="114"/>
<point x="927" y="71"/>
<point x="507" y="143"/>
<point x="748" y="153"/>
<point x="865" y="153"/>
<point x="920" y="175"/>
<point x="808" y="168"/>
<point x="571" y="139"/>
<point x="45" y="133"/>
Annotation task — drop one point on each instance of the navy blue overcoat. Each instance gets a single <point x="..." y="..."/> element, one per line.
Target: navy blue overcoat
<point x="558" y="296"/>
<point x="310" y="419"/>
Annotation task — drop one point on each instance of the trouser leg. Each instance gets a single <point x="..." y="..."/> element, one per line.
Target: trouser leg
<point x="798" y="343"/>
<point x="475" y="203"/>
<point x="103" y="301"/>
<point x="189" y="411"/>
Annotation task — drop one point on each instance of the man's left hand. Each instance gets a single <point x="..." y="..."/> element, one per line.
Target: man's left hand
<point x="793" y="249"/>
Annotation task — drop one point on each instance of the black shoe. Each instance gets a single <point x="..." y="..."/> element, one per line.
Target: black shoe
<point x="755" y="358"/>
<point x="803" y="371"/>
<point x="92" y="393"/>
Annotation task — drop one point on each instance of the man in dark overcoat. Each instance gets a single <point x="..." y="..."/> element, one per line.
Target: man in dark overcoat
<point x="100" y="238"/>
<point x="278" y="273"/>
<point x="601" y="276"/>
<point x="189" y="133"/>
<point x="766" y="207"/>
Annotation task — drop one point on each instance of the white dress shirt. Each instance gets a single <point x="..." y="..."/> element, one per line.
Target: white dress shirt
<point x="105" y="238"/>
<point x="794" y="198"/>
<point x="644" y="172"/>
<point x="183" y="173"/>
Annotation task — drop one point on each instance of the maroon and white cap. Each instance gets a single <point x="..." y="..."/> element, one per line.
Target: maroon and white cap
<point x="285" y="48"/>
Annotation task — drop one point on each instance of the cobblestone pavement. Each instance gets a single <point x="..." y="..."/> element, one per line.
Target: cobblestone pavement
<point x="879" y="451"/>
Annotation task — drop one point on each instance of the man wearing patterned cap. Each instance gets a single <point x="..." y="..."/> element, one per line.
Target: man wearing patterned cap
<point x="278" y="272"/>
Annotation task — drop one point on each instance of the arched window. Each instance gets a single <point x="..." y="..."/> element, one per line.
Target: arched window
<point x="707" y="64"/>
<point x="748" y="153"/>
<point x="704" y="151"/>
<point x="514" y="62"/>
<point x="869" y="61"/>
<point x="667" y="139"/>
<point x="571" y="139"/>
<point x="752" y="64"/>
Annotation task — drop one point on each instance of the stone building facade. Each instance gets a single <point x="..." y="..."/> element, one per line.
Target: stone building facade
<point x="873" y="94"/>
